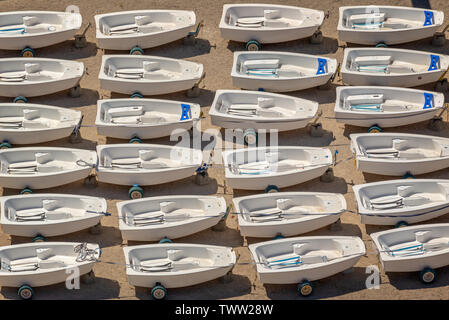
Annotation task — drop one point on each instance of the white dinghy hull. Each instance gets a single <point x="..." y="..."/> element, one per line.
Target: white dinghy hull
<point x="294" y="165"/>
<point x="26" y="123"/>
<point x="50" y="270"/>
<point x="155" y="218"/>
<point x="391" y="67"/>
<point x="143" y="28"/>
<point x="385" y="106"/>
<point x="371" y="25"/>
<point x="144" y="118"/>
<point x="268" y="23"/>
<point x="287" y="213"/>
<point x="328" y="256"/>
<point x="237" y="109"/>
<point x="395" y="154"/>
<point x="31" y="77"/>
<point x="148" y="75"/>
<point x="37" y="29"/>
<point x="64" y="214"/>
<point x="145" y="164"/>
<point x="406" y="200"/>
<point x="44" y="167"/>
<point x="414" y="248"/>
<point x="280" y="71"/>
<point x="202" y="263"/>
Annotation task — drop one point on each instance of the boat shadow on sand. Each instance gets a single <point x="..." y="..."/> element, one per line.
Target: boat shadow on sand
<point x="65" y="50"/>
<point x="175" y="50"/>
<point x="410" y="280"/>
<point x="109" y="289"/>
<point x="204" y="99"/>
<point x="212" y="290"/>
<point x="61" y="99"/>
<point x="337" y="285"/>
<point x="329" y="45"/>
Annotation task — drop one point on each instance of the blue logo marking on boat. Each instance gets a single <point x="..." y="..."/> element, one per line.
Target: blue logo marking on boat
<point x="428" y="98"/>
<point x="186" y="112"/>
<point x="434" y="62"/>
<point x="321" y="66"/>
<point x="429" y="18"/>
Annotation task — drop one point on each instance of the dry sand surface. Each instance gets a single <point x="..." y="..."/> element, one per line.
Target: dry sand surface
<point x="216" y="55"/>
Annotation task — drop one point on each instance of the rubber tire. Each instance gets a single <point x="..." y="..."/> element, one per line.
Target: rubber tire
<point x="316" y="38"/>
<point x="137" y="95"/>
<point x="158" y="292"/>
<point x="305" y="288"/>
<point x="427" y="272"/>
<point x="442" y="85"/>
<point x="135" y="140"/>
<point x="328" y="175"/>
<point x="400" y="224"/>
<point x="193" y="92"/>
<point x="38" y="238"/>
<point x="75" y="91"/>
<point x="136" y="51"/>
<point x="438" y="40"/>
<point x="90" y="181"/>
<point x="249" y="134"/>
<point x="96" y="229"/>
<point x="5" y="145"/>
<point x="253" y="45"/>
<point x="374" y="129"/>
<point x="408" y="175"/>
<point x="88" y="278"/>
<point x="381" y="45"/>
<point x="271" y="188"/>
<point x="278" y="236"/>
<point x="25" y="292"/>
<point x="165" y="240"/>
<point x="26" y="191"/>
<point x="20" y="99"/>
<point x="27" y="52"/>
<point x="75" y="137"/>
<point x="134" y="191"/>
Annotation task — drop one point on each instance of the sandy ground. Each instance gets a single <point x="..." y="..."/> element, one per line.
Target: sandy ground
<point x="216" y="55"/>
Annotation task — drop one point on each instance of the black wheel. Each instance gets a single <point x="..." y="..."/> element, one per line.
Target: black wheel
<point x="316" y="130"/>
<point x="25" y="292"/>
<point x="27" y="53"/>
<point x="91" y="181"/>
<point x="316" y="38"/>
<point x="401" y="224"/>
<point x="442" y="85"/>
<point x="26" y="191"/>
<point x="159" y="292"/>
<point x="278" y="236"/>
<point x="135" y="192"/>
<point x="272" y="188"/>
<point x="328" y="176"/>
<point x="427" y="275"/>
<point x="374" y="129"/>
<point x="75" y="92"/>
<point x="165" y="240"/>
<point x="438" y="39"/>
<point x="408" y="175"/>
<point x="193" y="92"/>
<point x="38" y="238"/>
<point x="381" y="45"/>
<point x="136" y="51"/>
<point x="253" y="45"/>
<point x="88" y="278"/>
<point x="20" y="99"/>
<point x="75" y="137"/>
<point x="137" y="95"/>
<point x="135" y="140"/>
<point x="5" y="145"/>
<point x="96" y="229"/>
<point x="250" y="136"/>
<point x="305" y="288"/>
